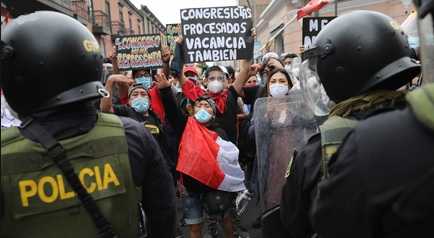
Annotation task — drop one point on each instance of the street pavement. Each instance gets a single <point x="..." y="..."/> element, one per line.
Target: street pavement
<point x="247" y="221"/>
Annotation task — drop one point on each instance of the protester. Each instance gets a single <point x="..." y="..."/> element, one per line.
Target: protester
<point x="360" y="88"/>
<point x="287" y="58"/>
<point x="143" y="77"/>
<point x="196" y="165"/>
<point x="218" y="88"/>
<point x="231" y="74"/>
<point x="70" y="146"/>
<point x="251" y="82"/>
<point x="278" y="87"/>
<point x="139" y="109"/>
<point x="8" y="119"/>
<point x="270" y="63"/>
<point x="279" y="84"/>
<point x="190" y="72"/>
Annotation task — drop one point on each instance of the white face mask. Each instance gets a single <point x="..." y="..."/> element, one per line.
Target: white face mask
<point x="278" y="90"/>
<point x="215" y="86"/>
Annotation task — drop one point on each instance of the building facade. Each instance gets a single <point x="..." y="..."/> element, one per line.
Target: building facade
<point x="272" y="18"/>
<point x="105" y="18"/>
<point x="121" y="17"/>
<point x="151" y="22"/>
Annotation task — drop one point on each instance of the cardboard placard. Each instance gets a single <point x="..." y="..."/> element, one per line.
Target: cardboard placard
<point x="311" y="28"/>
<point x="138" y="51"/>
<point x="217" y="34"/>
<point x="172" y="31"/>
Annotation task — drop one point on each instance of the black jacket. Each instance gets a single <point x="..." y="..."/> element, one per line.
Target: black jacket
<point x="382" y="182"/>
<point x="301" y="184"/>
<point x="147" y="163"/>
<point x="167" y="136"/>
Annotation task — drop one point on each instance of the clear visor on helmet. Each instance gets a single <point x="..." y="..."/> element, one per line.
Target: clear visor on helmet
<point x="313" y="90"/>
<point x="426" y="29"/>
<point x="409" y="26"/>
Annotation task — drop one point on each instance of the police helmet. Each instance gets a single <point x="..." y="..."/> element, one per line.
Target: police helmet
<point x="49" y="59"/>
<point x="361" y="51"/>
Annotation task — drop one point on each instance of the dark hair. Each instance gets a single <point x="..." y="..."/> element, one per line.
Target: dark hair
<point x="231" y="71"/>
<point x="135" y="71"/>
<point x="289" y="55"/>
<point x="268" y="60"/>
<point x="213" y="68"/>
<point x="210" y="101"/>
<point x="287" y="76"/>
<point x="134" y="87"/>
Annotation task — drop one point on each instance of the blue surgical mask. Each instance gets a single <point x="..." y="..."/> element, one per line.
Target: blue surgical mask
<point x="202" y="116"/>
<point x="146" y="81"/>
<point x="140" y="104"/>
<point x="413" y="42"/>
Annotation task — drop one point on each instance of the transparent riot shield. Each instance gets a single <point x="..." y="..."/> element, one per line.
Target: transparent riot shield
<point x="282" y="125"/>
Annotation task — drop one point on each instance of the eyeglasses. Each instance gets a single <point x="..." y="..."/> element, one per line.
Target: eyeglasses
<point x="221" y="78"/>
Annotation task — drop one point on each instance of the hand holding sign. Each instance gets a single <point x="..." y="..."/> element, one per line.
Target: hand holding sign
<point x="179" y="40"/>
<point x="165" y="54"/>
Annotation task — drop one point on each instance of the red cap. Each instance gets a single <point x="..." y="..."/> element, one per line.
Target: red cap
<point x="191" y="69"/>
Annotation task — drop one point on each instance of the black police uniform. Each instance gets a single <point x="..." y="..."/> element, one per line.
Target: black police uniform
<point x="382" y="182"/>
<point x="301" y="183"/>
<point x="51" y="84"/>
<point x="149" y="169"/>
<point x="381" y="60"/>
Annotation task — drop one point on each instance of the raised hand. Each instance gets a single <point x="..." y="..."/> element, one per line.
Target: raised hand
<point x="120" y="79"/>
<point x="165" y="54"/>
<point x="161" y="81"/>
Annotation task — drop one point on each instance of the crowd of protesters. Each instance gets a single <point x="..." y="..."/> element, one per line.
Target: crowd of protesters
<point x="203" y="119"/>
<point x="166" y="99"/>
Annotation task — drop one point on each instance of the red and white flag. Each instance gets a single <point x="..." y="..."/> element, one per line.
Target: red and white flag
<point x="5" y="16"/>
<point x="209" y="159"/>
<point x="312" y="6"/>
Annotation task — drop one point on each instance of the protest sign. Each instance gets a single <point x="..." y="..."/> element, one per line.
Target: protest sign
<point x="217" y="34"/>
<point x="311" y="28"/>
<point x="138" y="51"/>
<point x="172" y="31"/>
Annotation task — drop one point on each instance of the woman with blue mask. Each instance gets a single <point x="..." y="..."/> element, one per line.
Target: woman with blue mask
<point x="204" y="110"/>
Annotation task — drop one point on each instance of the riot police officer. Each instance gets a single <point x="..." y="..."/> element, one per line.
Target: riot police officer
<point x="382" y="182"/>
<point x="356" y="63"/>
<point x="69" y="171"/>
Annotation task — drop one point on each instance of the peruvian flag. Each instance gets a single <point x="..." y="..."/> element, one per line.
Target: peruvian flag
<point x="312" y="6"/>
<point x="209" y="159"/>
<point x="5" y="15"/>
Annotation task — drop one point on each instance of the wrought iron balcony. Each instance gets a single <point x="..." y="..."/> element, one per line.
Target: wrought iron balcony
<point x="101" y="26"/>
<point x="118" y="28"/>
<point x="80" y="9"/>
